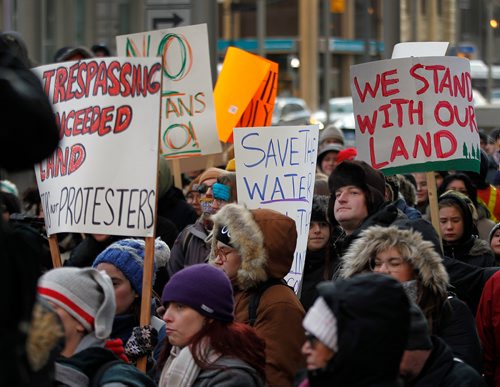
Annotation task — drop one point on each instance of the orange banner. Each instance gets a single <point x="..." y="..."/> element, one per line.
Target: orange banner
<point x="245" y="92"/>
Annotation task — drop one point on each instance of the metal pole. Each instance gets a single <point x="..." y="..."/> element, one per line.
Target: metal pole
<point x="326" y="59"/>
<point x="367" y="31"/>
<point x="7" y="15"/>
<point x="261" y="27"/>
<point x="414" y="12"/>
<point x="206" y="12"/>
<point x="489" y="51"/>
<point x="391" y="26"/>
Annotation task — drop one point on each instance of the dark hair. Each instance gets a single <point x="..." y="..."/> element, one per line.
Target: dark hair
<point x="233" y="339"/>
<point x="469" y="186"/>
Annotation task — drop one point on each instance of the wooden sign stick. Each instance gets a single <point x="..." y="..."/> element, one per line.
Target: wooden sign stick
<point x="433" y="202"/>
<point x="147" y="286"/>
<point x="176" y="172"/>
<point x="54" y="251"/>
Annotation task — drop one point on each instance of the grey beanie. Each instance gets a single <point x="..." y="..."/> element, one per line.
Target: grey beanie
<point x="331" y="132"/>
<point x="86" y="294"/>
<point x="492" y="232"/>
<point x="418" y="337"/>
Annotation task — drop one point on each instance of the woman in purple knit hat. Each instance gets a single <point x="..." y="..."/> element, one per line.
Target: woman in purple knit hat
<point x="205" y="345"/>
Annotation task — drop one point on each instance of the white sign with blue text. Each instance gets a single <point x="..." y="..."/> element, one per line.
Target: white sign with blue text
<point x="275" y="169"/>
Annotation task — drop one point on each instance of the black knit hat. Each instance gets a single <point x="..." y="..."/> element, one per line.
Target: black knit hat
<point x="418" y="337"/>
<point x="319" y="208"/>
<point x="359" y="174"/>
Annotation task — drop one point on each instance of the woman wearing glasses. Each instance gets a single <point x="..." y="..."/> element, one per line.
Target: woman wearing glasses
<point x="407" y="257"/>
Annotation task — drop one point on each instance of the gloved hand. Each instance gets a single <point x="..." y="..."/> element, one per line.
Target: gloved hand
<point x="116" y="346"/>
<point x="141" y="343"/>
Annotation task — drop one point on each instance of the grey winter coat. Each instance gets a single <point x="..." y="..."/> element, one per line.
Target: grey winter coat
<point x="235" y="372"/>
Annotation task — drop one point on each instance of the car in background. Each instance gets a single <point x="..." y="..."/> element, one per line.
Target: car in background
<point x="495" y="96"/>
<point x="290" y="111"/>
<point x="341" y="107"/>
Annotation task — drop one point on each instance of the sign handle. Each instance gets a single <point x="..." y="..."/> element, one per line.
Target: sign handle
<point x="54" y="251"/>
<point x="433" y="203"/>
<point x="147" y="285"/>
<point x="176" y="171"/>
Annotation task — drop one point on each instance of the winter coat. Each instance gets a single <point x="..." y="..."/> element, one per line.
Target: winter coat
<point x="443" y="370"/>
<point x="314" y="273"/>
<point x="467" y="280"/>
<point x="189" y="248"/>
<point x="86" y="368"/>
<point x="474" y="251"/>
<point x="488" y="326"/>
<point x="266" y="242"/>
<point x="173" y="206"/>
<point x="84" y="254"/>
<point x="410" y="212"/>
<point x="372" y="313"/>
<point x="454" y="323"/>
<point x="233" y="372"/>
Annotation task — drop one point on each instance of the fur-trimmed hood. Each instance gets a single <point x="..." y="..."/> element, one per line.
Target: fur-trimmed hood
<point x="265" y="240"/>
<point x="426" y="262"/>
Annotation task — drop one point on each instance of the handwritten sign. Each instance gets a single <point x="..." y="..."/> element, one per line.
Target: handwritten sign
<point x="188" y="126"/>
<point x="250" y="104"/>
<point x="102" y="177"/>
<point x="276" y="170"/>
<point x="415" y="114"/>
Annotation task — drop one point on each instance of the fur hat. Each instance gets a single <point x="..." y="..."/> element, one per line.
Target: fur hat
<point x="331" y="132"/>
<point x="127" y="255"/>
<point x="319" y="208"/>
<point x="203" y="288"/>
<point x="419" y="337"/>
<point x="359" y="174"/>
<point x="265" y="240"/>
<point x="421" y="254"/>
<point x="86" y="294"/>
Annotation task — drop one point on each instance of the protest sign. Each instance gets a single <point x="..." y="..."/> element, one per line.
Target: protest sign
<point x="415" y="115"/>
<point x="102" y="177"/>
<point x="276" y="170"/>
<point x="245" y="92"/>
<point x="188" y="126"/>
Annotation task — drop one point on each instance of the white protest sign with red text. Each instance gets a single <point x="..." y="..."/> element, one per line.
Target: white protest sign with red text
<point x="276" y="170"/>
<point x="188" y="126"/>
<point x="415" y="114"/>
<point x="102" y="177"/>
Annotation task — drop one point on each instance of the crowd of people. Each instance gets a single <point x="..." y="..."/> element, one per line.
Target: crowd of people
<point x="385" y="299"/>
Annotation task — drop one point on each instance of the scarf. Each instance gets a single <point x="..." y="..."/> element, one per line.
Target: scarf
<point x="180" y="369"/>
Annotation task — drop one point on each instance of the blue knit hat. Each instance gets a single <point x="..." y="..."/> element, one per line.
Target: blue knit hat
<point x="204" y="288"/>
<point x="128" y="256"/>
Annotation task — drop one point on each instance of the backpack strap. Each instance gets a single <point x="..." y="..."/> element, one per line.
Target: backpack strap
<point x="257" y="294"/>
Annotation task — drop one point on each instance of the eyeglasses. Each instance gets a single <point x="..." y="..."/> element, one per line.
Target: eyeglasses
<point x="311" y="339"/>
<point x="392" y="265"/>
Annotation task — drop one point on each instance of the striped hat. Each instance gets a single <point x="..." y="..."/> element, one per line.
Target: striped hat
<point x="321" y="322"/>
<point x="86" y="294"/>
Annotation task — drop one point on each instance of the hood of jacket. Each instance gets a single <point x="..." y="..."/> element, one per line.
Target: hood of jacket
<point x="265" y="240"/>
<point x="372" y="314"/>
<point x="426" y="262"/>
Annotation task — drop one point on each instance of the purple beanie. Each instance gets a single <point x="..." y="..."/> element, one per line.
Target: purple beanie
<point x="204" y="288"/>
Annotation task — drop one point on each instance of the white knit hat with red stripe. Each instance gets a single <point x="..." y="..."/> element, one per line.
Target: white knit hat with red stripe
<point x="86" y="294"/>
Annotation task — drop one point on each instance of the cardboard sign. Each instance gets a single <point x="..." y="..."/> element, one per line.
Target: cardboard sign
<point x="420" y="49"/>
<point x="102" y="177"/>
<point x="276" y="170"/>
<point x="245" y="92"/>
<point x="188" y="126"/>
<point x="415" y="115"/>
